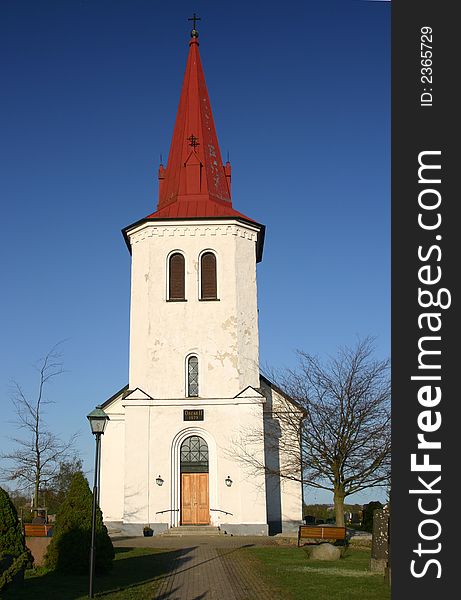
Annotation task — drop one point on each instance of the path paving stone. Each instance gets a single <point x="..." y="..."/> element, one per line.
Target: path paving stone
<point x="207" y="568"/>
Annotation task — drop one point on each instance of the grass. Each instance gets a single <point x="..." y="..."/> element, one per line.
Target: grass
<point x="135" y="576"/>
<point x="295" y="577"/>
<point x="286" y="570"/>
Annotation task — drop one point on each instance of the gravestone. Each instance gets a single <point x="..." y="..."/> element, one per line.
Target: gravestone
<point x="380" y="540"/>
<point x="356" y="518"/>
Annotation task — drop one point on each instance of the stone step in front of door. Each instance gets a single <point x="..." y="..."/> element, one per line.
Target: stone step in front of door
<point x="192" y="530"/>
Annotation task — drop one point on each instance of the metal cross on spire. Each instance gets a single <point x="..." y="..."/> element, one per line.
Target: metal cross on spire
<point x="194" y="18"/>
<point x="194" y="32"/>
<point x="193" y="141"/>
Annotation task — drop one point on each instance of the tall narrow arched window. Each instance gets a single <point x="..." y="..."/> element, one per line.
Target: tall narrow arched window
<point x="192" y="376"/>
<point x="208" y="281"/>
<point x="176" y="277"/>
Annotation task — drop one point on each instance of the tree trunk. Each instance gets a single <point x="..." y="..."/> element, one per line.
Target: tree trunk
<point x="339" y="506"/>
<point x="36" y="491"/>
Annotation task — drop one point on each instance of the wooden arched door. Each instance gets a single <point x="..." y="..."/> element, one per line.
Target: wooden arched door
<point x="195" y="497"/>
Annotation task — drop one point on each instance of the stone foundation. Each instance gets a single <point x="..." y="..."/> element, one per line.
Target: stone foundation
<point x="244" y="528"/>
<point x="133" y="529"/>
<point x="378" y="565"/>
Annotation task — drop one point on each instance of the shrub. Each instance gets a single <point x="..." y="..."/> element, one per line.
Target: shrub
<point x="69" y="549"/>
<point x="14" y="555"/>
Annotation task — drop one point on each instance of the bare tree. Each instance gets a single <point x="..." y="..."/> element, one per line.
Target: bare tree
<point x="330" y="424"/>
<point x="37" y="456"/>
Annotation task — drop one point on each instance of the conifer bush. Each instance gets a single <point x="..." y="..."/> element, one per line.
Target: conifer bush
<point x="69" y="549"/>
<point x="14" y="554"/>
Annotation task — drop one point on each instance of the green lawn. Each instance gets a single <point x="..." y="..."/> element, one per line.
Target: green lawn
<point x="295" y="577"/>
<point x="287" y="570"/>
<point x="134" y="577"/>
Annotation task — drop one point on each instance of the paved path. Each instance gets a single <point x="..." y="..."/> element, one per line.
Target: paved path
<point x="207" y="567"/>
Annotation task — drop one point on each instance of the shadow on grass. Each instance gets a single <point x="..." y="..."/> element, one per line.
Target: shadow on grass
<point x="133" y="568"/>
<point x="122" y="549"/>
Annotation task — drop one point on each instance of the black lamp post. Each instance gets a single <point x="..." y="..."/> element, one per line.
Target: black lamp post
<point x="98" y="420"/>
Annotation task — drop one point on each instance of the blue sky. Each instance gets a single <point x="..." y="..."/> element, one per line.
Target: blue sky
<point x="301" y="99"/>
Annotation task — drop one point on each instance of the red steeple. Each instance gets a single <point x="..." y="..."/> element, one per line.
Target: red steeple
<point x="195" y="182"/>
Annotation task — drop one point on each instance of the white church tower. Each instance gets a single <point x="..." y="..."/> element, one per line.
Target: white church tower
<point x="169" y="453"/>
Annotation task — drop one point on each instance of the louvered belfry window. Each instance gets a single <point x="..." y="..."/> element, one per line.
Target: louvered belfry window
<point x="176" y="281"/>
<point x="192" y="376"/>
<point x="208" y="289"/>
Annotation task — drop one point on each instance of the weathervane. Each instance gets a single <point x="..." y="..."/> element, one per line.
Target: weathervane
<point x="194" y="32"/>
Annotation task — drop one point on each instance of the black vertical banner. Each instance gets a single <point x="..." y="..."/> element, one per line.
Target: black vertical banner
<point x="426" y="358"/>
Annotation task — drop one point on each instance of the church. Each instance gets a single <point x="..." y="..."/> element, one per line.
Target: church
<point x="169" y="452"/>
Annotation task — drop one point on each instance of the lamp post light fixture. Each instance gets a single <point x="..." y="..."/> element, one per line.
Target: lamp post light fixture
<point x="228" y="481"/>
<point x="159" y="480"/>
<point x="98" y="421"/>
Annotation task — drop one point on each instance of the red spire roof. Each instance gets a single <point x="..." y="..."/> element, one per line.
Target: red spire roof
<point x="195" y="182"/>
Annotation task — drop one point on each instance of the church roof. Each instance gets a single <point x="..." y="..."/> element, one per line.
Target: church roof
<point x="121" y="392"/>
<point x="125" y="391"/>
<point x="195" y="172"/>
<point x="196" y="184"/>
<point x="264" y="380"/>
<point x="192" y="208"/>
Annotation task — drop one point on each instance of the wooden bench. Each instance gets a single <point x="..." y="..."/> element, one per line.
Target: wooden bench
<point x="36" y="530"/>
<point x="318" y="532"/>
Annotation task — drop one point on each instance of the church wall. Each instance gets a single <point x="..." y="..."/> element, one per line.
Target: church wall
<point x="113" y="465"/>
<point x="291" y="491"/>
<point x="222" y="333"/>
<point x="284" y="496"/>
<point x="245" y="499"/>
<point x="136" y="488"/>
<point x="247" y="315"/>
<point x="292" y="507"/>
<point x="152" y="426"/>
<point x="151" y="431"/>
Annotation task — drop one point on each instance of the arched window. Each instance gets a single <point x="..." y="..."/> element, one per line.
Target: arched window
<point x="192" y="376"/>
<point x="176" y="285"/>
<point x="194" y="455"/>
<point x="208" y="284"/>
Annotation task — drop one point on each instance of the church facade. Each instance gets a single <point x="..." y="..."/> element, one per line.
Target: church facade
<point x="170" y="452"/>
